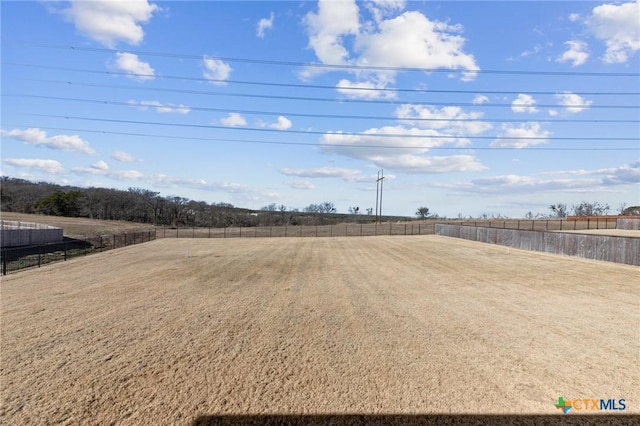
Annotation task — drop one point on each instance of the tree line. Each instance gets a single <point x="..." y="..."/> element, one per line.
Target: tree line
<point x="145" y="206"/>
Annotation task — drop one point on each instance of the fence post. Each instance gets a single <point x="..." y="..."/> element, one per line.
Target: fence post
<point x="39" y="254"/>
<point x="405" y="229"/>
<point x="209" y="232"/>
<point x="225" y="232"/>
<point x="4" y="261"/>
<point x="134" y="238"/>
<point x="546" y="225"/>
<point x="389" y="228"/>
<point x="419" y="229"/>
<point x="346" y="230"/>
<point x="114" y="241"/>
<point x="316" y="229"/>
<point x="285" y="230"/>
<point x="301" y="230"/>
<point x="241" y="232"/>
<point x="331" y="230"/>
<point x="85" y="244"/>
<point x="270" y="229"/>
<point x="193" y="234"/>
<point x="361" y="230"/>
<point x="164" y="232"/>
<point x="65" y="251"/>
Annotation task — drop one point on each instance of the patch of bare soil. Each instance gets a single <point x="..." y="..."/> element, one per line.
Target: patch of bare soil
<point x="183" y="331"/>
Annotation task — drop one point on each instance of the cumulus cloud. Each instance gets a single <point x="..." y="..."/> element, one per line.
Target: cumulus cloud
<point x="364" y="90"/>
<point x="48" y="166"/>
<point x="134" y="67"/>
<point x="347" y="175"/>
<point x="329" y="26"/>
<point x="572" y="102"/>
<point x="100" y="165"/>
<point x="216" y="71"/>
<point x="161" y="108"/>
<point x="480" y="99"/>
<point x="401" y="148"/>
<point x="412" y="40"/>
<point x="264" y="24"/>
<point x="122" y="156"/>
<point x="283" y="123"/>
<point x="233" y="120"/>
<point x="524" y="103"/>
<point x="521" y="136"/>
<point x="109" y="22"/>
<point x="37" y="137"/>
<point x="451" y="120"/>
<point x="576" y="53"/>
<point x="339" y="34"/>
<point x="618" y="26"/>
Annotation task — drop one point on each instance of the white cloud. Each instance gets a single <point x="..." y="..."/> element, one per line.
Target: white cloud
<point x="416" y="164"/>
<point x="339" y="35"/>
<point x="402" y="149"/>
<point x="300" y="184"/>
<point x="364" y="89"/>
<point x="323" y="172"/>
<point x="552" y="112"/>
<point x="35" y="136"/>
<point x="553" y="181"/>
<point x="99" y="170"/>
<point x="100" y="165"/>
<point x="521" y="136"/>
<point x="48" y="166"/>
<point x="480" y="99"/>
<point x="109" y="22"/>
<point x="234" y="120"/>
<point x="327" y="28"/>
<point x="283" y="123"/>
<point x="524" y="103"/>
<point x="576" y="53"/>
<point x="572" y="102"/>
<point x="574" y="17"/>
<point x="161" y="108"/>
<point x="412" y="40"/>
<point x="264" y="24"/>
<point x="134" y="67"/>
<point x="451" y="120"/>
<point x="122" y="156"/>
<point x="216" y="71"/>
<point x="619" y="27"/>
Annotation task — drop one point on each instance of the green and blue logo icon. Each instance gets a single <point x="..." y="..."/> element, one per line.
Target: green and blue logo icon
<point x="590" y="404"/>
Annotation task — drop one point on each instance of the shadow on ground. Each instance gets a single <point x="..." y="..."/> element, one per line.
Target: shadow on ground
<point x="418" y="419"/>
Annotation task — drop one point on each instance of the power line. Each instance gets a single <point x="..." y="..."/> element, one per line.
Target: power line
<point x="312" y="144"/>
<point x="316" y="99"/>
<point x="322" y="65"/>
<point x="309" y="115"/>
<point x="312" y="86"/>
<point x="325" y="133"/>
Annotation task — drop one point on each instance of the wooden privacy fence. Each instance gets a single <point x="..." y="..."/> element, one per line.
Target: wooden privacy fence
<point x="589" y="246"/>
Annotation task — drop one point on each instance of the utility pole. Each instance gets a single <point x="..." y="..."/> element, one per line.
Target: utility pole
<point x="379" y="191"/>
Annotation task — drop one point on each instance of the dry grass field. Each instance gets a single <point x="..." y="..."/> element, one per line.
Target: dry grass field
<point x="174" y="330"/>
<point x="78" y="226"/>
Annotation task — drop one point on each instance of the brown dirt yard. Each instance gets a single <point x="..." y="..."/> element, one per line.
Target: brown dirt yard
<point x="171" y="330"/>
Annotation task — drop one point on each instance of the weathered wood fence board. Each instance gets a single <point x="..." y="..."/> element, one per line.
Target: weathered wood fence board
<point x="597" y="247"/>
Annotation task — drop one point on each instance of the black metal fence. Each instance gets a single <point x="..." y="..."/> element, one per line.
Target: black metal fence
<point x="370" y="229"/>
<point x="14" y="259"/>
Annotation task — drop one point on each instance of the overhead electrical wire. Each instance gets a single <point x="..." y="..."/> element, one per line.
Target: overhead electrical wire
<point x="320" y="65"/>
<point x="315" y="132"/>
<point x="316" y="99"/>
<point x="311" y="86"/>
<point x="309" y="115"/>
<point x="316" y="145"/>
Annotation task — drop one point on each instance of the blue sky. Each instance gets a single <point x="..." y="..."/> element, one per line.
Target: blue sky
<point x="469" y="107"/>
